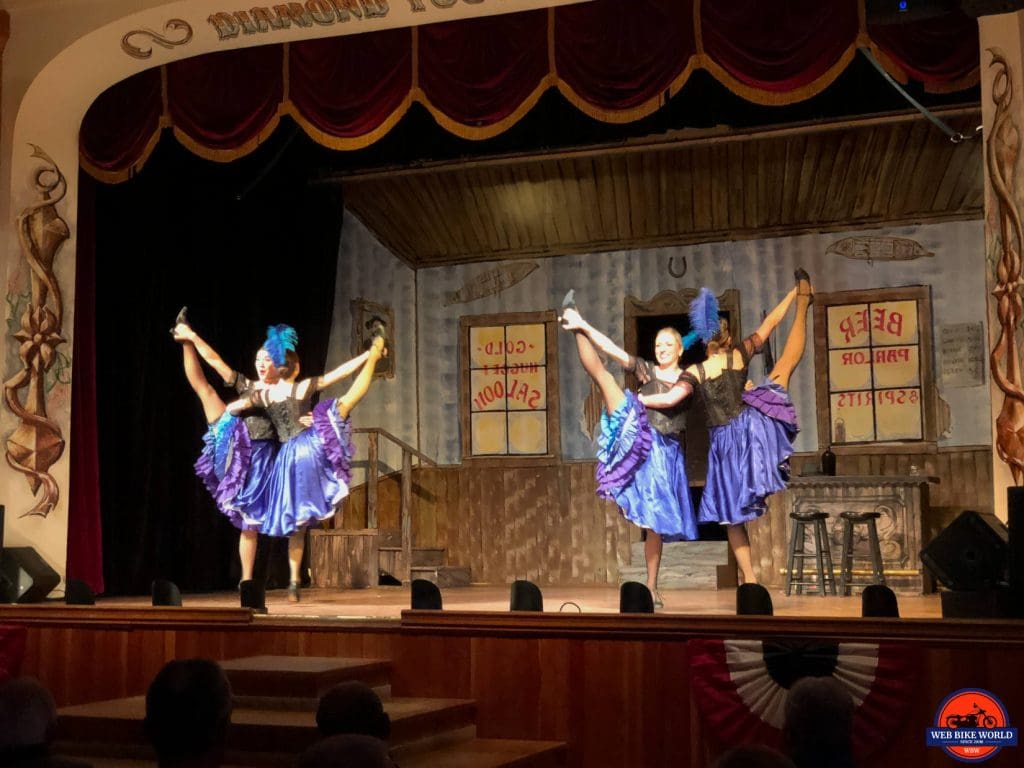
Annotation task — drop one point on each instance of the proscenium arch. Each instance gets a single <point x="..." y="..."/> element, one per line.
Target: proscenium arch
<point x="48" y="121"/>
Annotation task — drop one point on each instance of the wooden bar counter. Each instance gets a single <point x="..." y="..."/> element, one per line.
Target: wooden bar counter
<point x="902" y="501"/>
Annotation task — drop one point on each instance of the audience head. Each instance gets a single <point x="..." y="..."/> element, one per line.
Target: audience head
<point x="753" y="757"/>
<point x="352" y="707"/>
<point x="27" y="713"/>
<point x="188" y="710"/>
<point x="349" y="750"/>
<point x="818" y="728"/>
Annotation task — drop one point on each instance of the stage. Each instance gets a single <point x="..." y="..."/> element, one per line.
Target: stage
<point x="383" y="603"/>
<point x="616" y="689"/>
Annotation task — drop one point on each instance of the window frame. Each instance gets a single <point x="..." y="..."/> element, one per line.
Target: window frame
<point x="922" y="294"/>
<point x="549" y="319"/>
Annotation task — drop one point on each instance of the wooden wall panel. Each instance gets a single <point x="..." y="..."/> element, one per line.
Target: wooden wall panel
<point x="547" y="524"/>
<point x="616" y="690"/>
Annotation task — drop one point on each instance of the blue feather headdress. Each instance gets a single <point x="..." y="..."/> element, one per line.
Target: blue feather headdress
<point x="704" y="316"/>
<point x="689" y="339"/>
<point x="280" y="339"/>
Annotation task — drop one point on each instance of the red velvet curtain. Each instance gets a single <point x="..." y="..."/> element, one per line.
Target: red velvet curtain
<point x="617" y="56"/>
<point x="778" y="47"/>
<point x="226" y="100"/>
<point x="479" y="72"/>
<point x="615" y="61"/>
<point x="350" y="86"/>
<point x="942" y="52"/>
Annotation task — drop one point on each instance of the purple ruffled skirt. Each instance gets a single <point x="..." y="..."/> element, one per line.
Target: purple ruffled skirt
<point x="749" y="457"/>
<point x="235" y="470"/>
<point x="643" y="472"/>
<point x="311" y="474"/>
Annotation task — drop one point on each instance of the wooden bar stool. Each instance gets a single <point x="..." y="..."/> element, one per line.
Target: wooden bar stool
<point x="850" y="521"/>
<point x="822" y="554"/>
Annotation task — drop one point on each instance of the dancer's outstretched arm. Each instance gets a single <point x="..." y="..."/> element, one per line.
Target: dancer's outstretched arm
<point x="679" y="392"/>
<point x="572" y="320"/>
<point x="184" y="332"/>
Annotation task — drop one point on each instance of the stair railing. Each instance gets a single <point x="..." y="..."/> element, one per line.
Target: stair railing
<point x="405" y="496"/>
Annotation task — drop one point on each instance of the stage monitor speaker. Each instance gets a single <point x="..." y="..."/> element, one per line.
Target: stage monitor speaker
<point x="995" y="603"/>
<point x="24" y="576"/>
<point x="971" y="553"/>
<point x="525" y="596"/>
<point x="635" y="597"/>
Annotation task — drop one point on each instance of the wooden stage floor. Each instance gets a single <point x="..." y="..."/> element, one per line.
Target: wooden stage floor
<point x="381" y="603"/>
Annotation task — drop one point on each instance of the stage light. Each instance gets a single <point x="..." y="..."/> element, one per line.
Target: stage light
<point x="635" y="597"/>
<point x="425" y="595"/>
<point x="878" y="601"/>
<point x="77" y="592"/>
<point x="525" y="596"/>
<point x="166" y="593"/>
<point x="753" y="600"/>
<point x="253" y="594"/>
<point x="902" y="6"/>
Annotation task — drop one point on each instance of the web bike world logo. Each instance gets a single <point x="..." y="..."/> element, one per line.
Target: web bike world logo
<point x="971" y="725"/>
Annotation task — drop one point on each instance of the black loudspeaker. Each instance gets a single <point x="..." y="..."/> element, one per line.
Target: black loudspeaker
<point x="525" y="596"/>
<point x="252" y="594"/>
<point x="77" y="592"/>
<point x="24" y="576"/>
<point x="425" y="595"/>
<point x="635" y="597"/>
<point x="971" y="553"/>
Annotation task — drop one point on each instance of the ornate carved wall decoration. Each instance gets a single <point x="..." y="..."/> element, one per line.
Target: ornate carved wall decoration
<point x="1002" y="153"/>
<point x="144" y="51"/>
<point x="37" y="443"/>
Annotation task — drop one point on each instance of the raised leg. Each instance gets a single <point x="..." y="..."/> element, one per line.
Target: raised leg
<point x="591" y="360"/>
<point x="361" y="384"/>
<point x="213" y="406"/>
<point x="796" y="341"/>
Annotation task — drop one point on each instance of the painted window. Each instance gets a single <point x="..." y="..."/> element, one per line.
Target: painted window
<point x="874" y="349"/>
<point x="510" y="394"/>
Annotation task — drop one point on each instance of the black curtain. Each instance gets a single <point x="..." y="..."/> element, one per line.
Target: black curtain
<point x="244" y="245"/>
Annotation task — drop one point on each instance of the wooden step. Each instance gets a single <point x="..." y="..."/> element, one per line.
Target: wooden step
<point x="489" y="753"/>
<point x="420" y="555"/>
<point x="117" y="726"/>
<point x="685" y="565"/>
<point x="473" y="753"/>
<point x="305" y="678"/>
<point x="445" y="576"/>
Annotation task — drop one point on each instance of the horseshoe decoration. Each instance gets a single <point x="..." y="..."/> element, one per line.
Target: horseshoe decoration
<point x="672" y="268"/>
<point x="164" y="41"/>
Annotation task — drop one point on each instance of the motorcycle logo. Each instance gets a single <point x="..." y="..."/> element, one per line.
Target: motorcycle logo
<point x="971" y="725"/>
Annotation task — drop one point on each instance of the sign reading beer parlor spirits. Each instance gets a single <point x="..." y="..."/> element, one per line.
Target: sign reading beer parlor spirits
<point x="508" y="390"/>
<point x="874" y="372"/>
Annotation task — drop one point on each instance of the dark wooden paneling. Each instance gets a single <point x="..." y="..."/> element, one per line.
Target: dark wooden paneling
<point x="547" y="524"/>
<point x="616" y="688"/>
<point x="700" y="186"/>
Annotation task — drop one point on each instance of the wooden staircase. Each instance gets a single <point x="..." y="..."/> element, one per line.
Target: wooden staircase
<point x="354" y="558"/>
<point x="274" y="721"/>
